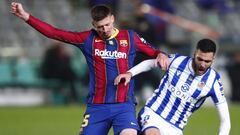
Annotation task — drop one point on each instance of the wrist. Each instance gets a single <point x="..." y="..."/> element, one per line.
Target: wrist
<point x="129" y="73"/>
<point x="26" y="16"/>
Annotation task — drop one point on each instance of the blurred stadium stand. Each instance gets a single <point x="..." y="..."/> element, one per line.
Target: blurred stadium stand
<point x="21" y="47"/>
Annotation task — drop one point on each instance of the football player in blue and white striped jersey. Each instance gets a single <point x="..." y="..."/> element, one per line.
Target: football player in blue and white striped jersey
<point x="183" y="89"/>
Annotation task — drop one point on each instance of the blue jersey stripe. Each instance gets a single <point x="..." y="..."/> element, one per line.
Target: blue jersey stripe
<point x="131" y="58"/>
<point x="174" y="109"/>
<point x="164" y="103"/>
<point x="180" y="69"/>
<point x="178" y="122"/>
<point x="196" y="93"/>
<point x="87" y="49"/>
<point x="199" y="103"/>
<point x="206" y="76"/>
<point x="213" y="94"/>
<point x="189" y="79"/>
<point x="132" y="49"/>
<point x="111" y="45"/>
<point x="150" y="103"/>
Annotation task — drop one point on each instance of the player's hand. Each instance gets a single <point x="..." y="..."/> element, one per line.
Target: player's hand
<point x="162" y="60"/>
<point x="127" y="77"/>
<point x="17" y="9"/>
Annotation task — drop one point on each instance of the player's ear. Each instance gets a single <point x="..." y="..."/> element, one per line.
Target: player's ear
<point x="194" y="54"/>
<point x="93" y="24"/>
<point x="112" y="18"/>
<point x="214" y="57"/>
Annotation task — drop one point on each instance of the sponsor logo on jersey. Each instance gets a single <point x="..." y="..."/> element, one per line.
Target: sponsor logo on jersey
<point x="98" y="40"/>
<point x="105" y="54"/>
<point x="182" y="94"/>
<point x="178" y="72"/>
<point x="132" y="123"/>
<point x="185" y="87"/>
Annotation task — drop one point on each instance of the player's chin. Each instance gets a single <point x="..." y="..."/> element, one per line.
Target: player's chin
<point x="105" y="36"/>
<point x="201" y="72"/>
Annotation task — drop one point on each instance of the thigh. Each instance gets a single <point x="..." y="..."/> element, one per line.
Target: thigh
<point x="124" y="120"/>
<point x="95" y="129"/>
<point x="96" y="120"/>
<point x="128" y="131"/>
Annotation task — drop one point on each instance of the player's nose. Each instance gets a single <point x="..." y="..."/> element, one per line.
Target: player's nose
<point x="104" y="28"/>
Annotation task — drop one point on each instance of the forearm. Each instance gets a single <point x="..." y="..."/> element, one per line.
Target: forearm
<point x="142" y="67"/>
<point x="47" y="29"/>
<point x="224" y="119"/>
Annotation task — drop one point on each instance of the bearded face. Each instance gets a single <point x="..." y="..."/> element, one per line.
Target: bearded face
<point x="202" y="61"/>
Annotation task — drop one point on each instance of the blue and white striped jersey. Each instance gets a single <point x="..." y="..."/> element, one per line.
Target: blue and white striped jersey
<point x="180" y="92"/>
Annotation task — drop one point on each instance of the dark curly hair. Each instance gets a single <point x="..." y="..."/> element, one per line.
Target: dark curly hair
<point x="206" y="45"/>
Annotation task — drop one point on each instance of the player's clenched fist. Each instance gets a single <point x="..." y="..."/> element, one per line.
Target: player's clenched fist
<point x="17" y="9"/>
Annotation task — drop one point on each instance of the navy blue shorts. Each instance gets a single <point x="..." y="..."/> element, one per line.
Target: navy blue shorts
<point x="99" y="118"/>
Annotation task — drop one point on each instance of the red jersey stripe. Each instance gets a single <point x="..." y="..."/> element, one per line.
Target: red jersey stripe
<point x="100" y="73"/>
<point x="122" y="65"/>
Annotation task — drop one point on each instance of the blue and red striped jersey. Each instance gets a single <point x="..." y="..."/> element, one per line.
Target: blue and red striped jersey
<point x="105" y="58"/>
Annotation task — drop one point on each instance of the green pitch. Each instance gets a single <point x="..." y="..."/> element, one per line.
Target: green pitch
<point x="66" y="120"/>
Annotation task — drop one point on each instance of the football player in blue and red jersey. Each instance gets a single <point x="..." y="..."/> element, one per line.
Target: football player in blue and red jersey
<point x="108" y="52"/>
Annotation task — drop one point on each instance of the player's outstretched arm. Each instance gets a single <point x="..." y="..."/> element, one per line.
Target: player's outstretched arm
<point x="47" y="29"/>
<point x="17" y="10"/>
<point x="141" y="67"/>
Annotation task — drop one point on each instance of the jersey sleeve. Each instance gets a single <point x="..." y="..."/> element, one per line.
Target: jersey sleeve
<point x="144" y="66"/>
<point x="225" y="123"/>
<point x="57" y="34"/>
<point x="217" y="93"/>
<point x="144" y="47"/>
<point x="147" y="65"/>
